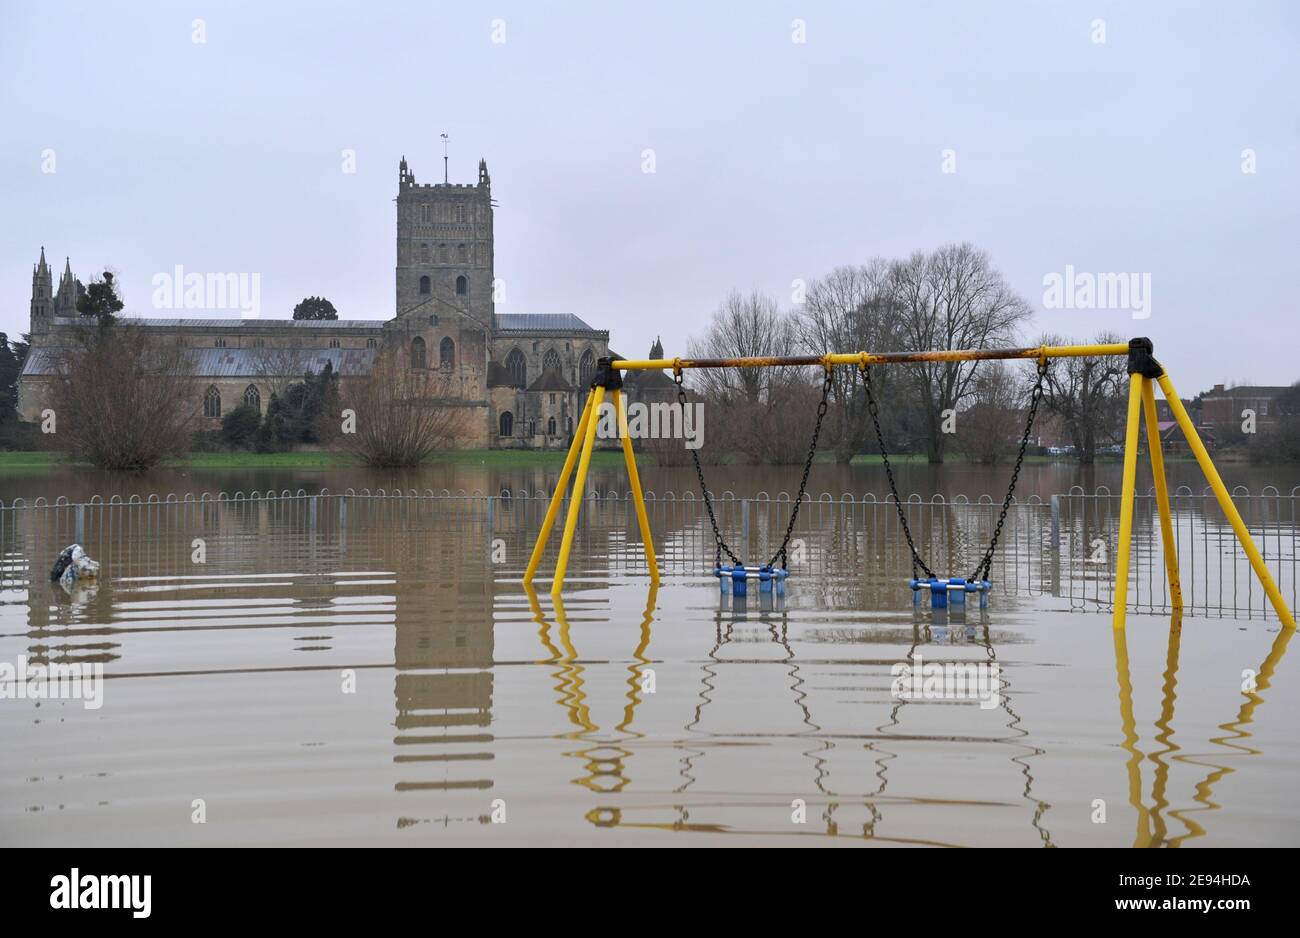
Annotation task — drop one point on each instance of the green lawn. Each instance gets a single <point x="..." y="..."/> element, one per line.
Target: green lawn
<point x="317" y="460"/>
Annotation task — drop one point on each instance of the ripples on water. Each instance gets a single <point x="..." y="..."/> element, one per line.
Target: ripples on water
<point x="226" y="684"/>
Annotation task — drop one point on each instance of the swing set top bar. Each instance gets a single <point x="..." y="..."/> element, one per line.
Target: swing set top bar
<point x="874" y="358"/>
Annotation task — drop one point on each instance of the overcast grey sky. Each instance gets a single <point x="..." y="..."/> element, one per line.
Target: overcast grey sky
<point x="775" y="160"/>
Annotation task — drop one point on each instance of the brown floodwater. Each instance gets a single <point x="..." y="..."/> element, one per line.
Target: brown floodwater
<point x="374" y="673"/>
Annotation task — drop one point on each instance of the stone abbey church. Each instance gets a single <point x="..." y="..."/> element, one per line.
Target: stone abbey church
<point x="523" y="377"/>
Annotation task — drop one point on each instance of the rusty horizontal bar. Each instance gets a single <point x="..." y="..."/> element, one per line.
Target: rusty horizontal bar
<point x="874" y="358"/>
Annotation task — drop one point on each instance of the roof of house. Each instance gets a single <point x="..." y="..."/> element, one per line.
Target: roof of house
<point x="237" y="362"/>
<point x="542" y="322"/>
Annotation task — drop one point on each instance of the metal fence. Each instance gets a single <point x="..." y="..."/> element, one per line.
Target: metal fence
<point x="1064" y="546"/>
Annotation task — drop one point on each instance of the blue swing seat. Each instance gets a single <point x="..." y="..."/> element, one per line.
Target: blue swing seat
<point x="946" y="590"/>
<point x="739" y="576"/>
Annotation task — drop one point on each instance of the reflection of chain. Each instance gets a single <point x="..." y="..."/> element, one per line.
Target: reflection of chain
<point x="807" y="467"/>
<point x="874" y="410"/>
<point x="982" y="571"/>
<point x="720" y="544"/>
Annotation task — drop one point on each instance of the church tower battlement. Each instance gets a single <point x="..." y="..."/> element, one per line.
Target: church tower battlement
<point x="445" y="247"/>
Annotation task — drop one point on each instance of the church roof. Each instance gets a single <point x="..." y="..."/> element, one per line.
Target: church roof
<point x="550" y="380"/>
<point x="196" y="322"/>
<point x="236" y="362"/>
<point x="541" y="322"/>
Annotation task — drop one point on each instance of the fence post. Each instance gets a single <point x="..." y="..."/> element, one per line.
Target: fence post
<point x="491" y="523"/>
<point x="1056" y="545"/>
<point x="343" y="524"/>
<point x="744" y="525"/>
<point x="81" y="525"/>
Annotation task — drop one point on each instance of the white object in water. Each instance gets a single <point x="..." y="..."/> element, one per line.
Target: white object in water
<point x="72" y="566"/>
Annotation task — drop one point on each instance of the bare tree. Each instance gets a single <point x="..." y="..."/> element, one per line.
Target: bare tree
<point x="851" y="309"/>
<point x="989" y="430"/>
<point x="1088" y="395"/>
<point x="124" y="398"/>
<point x="403" y="415"/>
<point x="952" y="298"/>
<point x="280" y="365"/>
<point x="744" y="326"/>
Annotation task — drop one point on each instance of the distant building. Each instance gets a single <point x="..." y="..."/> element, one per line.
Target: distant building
<point x="1223" y="409"/>
<point x="524" y="376"/>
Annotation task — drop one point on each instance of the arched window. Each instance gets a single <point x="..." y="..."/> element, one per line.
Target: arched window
<point x="551" y="360"/>
<point x="417" y="353"/>
<point x="462" y="285"/>
<point x="462" y="254"/>
<point x="424" y="253"/>
<point x="212" y="402"/>
<point x="447" y="353"/>
<point x="517" y="366"/>
<point x="570" y="422"/>
<point x="507" y="423"/>
<point x="252" y="398"/>
<point x="532" y="426"/>
<point x="550" y="427"/>
<point x="424" y="286"/>
<point x="586" y="368"/>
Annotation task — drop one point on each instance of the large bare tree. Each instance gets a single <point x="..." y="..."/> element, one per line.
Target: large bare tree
<point x="1088" y="395"/>
<point x="743" y="326"/>
<point x="124" y="398"/>
<point x="952" y="298"/>
<point x="402" y="415"/>
<point x="851" y="309"/>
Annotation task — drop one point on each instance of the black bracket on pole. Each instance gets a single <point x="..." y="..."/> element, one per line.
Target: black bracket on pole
<point x="1141" y="361"/>
<point x="607" y="376"/>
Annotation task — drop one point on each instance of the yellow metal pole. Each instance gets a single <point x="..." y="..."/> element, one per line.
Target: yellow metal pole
<point x="1225" y="502"/>
<point x="561" y="486"/>
<point x="634" y="479"/>
<point x="1162" y="493"/>
<point x="579" y="486"/>
<point x="1126" y="500"/>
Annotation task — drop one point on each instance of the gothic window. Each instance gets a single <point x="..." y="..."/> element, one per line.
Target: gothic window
<point x="462" y="254"/>
<point x="552" y="397"/>
<point x="212" y="402"/>
<point x="532" y="426"/>
<point x="417" y="353"/>
<point x="252" y="398"/>
<point x="334" y="343"/>
<point x="424" y="253"/>
<point x="370" y="343"/>
<point x="433" y="320"/>
<point x="462" y="285"/>
<point x="551" y="360"/>
<point x="507" y="424"/>
<point x="586" y="368"/>
<point x="424" y="286"/>
<point x="460" y="212"/>
<point x="447" y="353"/>
<point x="550" y="427"/>
<point x="220" y="343"/>
<point x="517" y="366"/>
<point x="570" y="421"/>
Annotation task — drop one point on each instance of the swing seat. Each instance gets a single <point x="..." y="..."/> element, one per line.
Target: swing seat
<point x="739" y="576"/>
<point x="946" y="590"/>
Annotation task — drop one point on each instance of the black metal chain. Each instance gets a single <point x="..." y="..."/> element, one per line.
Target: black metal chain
<point x="720" y="544"/>
<point x="807" y="467"/>
<point x="985" y="565"/>
<point x="874" y="409"/>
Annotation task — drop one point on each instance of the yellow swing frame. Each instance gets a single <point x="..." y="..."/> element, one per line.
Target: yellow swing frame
<point x="1144" y="374"/>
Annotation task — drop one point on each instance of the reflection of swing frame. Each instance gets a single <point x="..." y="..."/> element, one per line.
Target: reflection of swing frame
<point x="1144" y="372"/>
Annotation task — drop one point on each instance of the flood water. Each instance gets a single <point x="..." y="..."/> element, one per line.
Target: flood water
<point x="378" y="675"/>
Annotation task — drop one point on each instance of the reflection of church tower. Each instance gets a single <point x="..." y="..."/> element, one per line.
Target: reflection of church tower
<point x="42" y="297"/>
<point x="444" y="654"/>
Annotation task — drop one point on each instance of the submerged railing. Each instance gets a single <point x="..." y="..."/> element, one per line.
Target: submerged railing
<point x="1064" y="546"/>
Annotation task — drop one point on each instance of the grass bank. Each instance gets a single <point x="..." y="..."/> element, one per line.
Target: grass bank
<point x="313" y="460"/>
